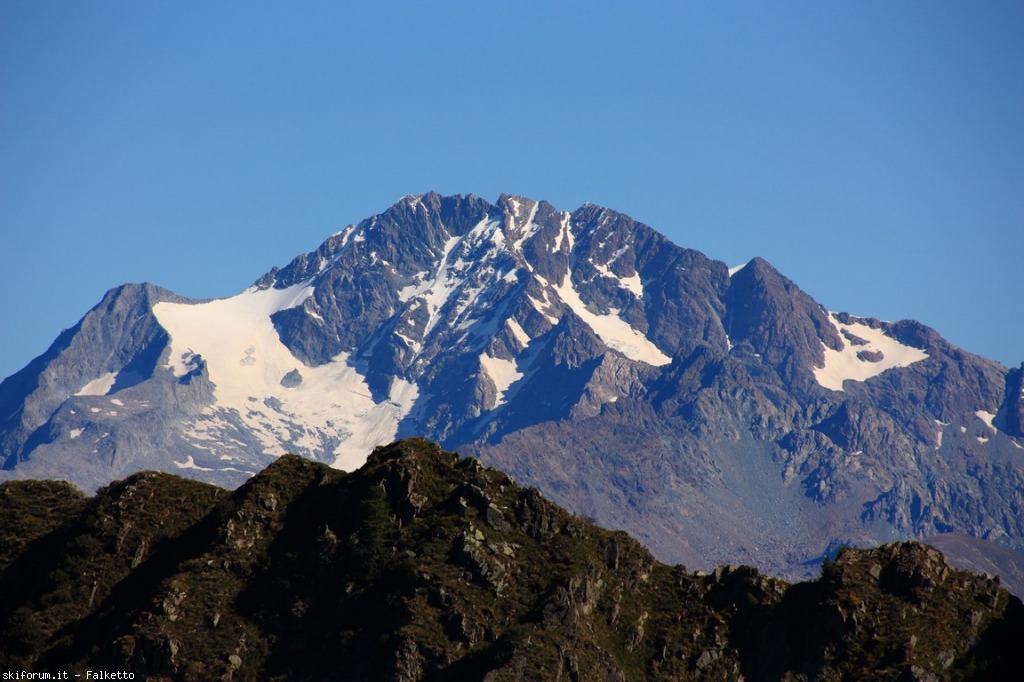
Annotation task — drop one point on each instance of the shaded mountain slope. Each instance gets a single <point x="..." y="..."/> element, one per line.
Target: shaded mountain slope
<point x="424" y="566"/>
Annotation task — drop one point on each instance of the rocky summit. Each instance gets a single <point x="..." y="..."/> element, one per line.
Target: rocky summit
<point x="719" y="414"/>
<point x="422" y="565"/>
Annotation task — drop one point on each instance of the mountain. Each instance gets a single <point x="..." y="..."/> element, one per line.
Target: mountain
<point x="982" y="556"/>
<point x="424" y="566"/>
<point x="720" y="415"/>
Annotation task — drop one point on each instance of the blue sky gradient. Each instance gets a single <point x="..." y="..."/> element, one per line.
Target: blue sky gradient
<point x="872" y="151"/>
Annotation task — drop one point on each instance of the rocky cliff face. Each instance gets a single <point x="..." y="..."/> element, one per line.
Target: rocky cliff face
<point x="721" y="416"/>
<point x="425" y="566"/>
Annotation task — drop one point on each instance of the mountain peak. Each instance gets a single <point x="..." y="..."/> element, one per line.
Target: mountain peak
<point x="625" y="376"/>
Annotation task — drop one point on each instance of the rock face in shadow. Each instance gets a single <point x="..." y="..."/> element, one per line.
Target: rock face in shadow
<point x="721" y="416"/>
<point x="425" y="566"/>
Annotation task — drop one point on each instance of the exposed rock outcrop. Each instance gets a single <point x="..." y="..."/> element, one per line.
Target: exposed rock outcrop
<point x="425" y="566"/>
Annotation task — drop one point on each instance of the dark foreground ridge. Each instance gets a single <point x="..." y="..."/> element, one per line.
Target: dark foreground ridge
<point x="425" y="566"/>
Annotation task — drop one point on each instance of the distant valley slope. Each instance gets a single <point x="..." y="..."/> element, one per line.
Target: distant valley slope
<point x="721" y="416"/>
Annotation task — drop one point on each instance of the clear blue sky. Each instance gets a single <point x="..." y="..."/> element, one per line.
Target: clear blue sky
<point x="872" y="151"/>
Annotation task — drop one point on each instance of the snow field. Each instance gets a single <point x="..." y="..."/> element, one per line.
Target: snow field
<point x="843" y="365"/>
<point x="246" y="361"/>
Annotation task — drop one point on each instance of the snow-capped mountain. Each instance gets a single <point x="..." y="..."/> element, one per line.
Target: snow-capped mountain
<point x="719" y="414"/>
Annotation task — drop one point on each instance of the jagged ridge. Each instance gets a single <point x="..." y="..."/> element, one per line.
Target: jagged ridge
<point x="425" y="566"/>
<point x="760" y="427"/>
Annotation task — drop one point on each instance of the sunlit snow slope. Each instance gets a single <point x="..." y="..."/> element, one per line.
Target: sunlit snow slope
<point x="251" y="371"/>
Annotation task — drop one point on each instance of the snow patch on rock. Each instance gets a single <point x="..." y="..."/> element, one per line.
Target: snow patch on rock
<point x="849" y="363"/>
<point x="190" y="463"/>
<point x="100" y="386"/>
<point x="614" y="331"/>
<point x="736" y="268"/>
<point x="631" y="283"/>
<point x="986" y="417"/>
<point x="517" y="331"/>
<point x="503" y="373"/>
